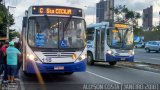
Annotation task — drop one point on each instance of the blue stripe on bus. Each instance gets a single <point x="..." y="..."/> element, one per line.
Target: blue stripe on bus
<point x="118" y="58"/>
<point x="49" y="68"/>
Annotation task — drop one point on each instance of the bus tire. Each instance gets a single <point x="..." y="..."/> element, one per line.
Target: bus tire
<point x="90" y="59"/>
<point x="68" y="73"/>
<point x="112" y="63"/>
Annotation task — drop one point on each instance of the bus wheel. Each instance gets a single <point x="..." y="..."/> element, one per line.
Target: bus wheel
<point x="90" y="59"/>
<point x="68" y="73"/>
<point x="112" y="63"/>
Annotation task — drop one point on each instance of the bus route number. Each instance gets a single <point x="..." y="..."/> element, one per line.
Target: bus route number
<point x="47" y="59"/>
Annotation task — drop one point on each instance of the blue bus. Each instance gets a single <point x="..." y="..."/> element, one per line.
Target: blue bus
<point x="109" y="44"/>
<point x="53" y="40"/>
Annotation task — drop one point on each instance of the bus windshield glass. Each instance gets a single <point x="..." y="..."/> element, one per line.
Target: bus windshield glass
<point x="122" y="38"/>
<point x="56" y="32"/>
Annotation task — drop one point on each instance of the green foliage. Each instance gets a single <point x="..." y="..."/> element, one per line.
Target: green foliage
<point x="13" y="34"/>
<point x="11" y="20"/>
<point x="129" y="15"/>
<point x="138" y="31"/>
<point x="5" y="19"/>
<point x="157" y="28"/>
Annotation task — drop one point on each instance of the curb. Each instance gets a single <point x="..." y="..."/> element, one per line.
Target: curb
<point x="141" y="66"/>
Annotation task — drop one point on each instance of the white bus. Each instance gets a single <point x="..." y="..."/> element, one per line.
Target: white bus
<point x="53" y="40"/>
<point x="109" y="44"/>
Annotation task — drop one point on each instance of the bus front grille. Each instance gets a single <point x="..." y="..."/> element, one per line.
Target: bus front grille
<point x="58" y="54"/>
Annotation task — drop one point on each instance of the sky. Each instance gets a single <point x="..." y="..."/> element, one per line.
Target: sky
<point x="89" y="6"/>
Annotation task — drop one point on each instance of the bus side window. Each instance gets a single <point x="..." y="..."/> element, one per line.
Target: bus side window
<point x="90" y="34"/>
<point x="24" y="22"/>
<point x="108" y="31"/>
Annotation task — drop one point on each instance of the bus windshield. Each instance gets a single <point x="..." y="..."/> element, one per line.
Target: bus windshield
<point x="52" y="32"/>
<point x="122" y="38"/>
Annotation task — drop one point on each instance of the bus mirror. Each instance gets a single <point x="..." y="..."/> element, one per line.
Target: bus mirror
<point x="24" y="22"/>
<point x="26" y="12"/>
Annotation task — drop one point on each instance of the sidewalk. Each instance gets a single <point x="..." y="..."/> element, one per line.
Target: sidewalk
<point x="10" y="86"/>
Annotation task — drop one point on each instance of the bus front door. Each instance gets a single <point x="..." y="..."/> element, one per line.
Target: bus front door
<point x="100" y="45"/>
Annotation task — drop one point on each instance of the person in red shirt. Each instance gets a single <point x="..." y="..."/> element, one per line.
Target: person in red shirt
<point x="0" y="52"/>
<point x="3" y="62"/>
<point x="4" y="48"/>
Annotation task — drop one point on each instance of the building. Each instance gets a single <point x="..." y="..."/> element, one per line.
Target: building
<point x="148" y="18"/>
<point x="105" y="11"/>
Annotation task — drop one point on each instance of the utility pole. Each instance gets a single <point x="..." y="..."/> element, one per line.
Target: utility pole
<point x="159" y="18"/>
<point x="7" y="33"/>
<point x="7" y="23"/>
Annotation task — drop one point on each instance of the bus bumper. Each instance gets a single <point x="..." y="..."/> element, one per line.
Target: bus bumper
<point x="119" y="58"/>
<point x="33" y="67"/>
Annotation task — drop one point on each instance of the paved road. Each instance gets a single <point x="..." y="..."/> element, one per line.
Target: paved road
<point x="142" y="56"/>
<point x="100" y="73"/>
<point x="97" y="74"/>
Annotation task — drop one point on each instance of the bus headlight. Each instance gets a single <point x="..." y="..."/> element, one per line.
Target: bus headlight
<point x="31" y="57"/>
<point x="131" y="52"/>
<point x="109" y="52"/>
<point x="81" y="57"/>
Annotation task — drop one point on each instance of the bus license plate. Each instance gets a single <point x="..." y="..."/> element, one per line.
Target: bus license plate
<point x="59" y="68"/>
<point x="123" y="59"/>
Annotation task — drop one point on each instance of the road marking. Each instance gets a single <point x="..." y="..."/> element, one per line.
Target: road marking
<point x="103" y="77"/>
<point x="155" y="58"/>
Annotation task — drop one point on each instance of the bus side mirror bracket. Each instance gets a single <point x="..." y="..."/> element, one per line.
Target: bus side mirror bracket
<point x="24" y="22"/>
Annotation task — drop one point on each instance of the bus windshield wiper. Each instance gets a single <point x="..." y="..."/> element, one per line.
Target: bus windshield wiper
<point x="121" y="36"/>
<point x="46" y="17"/>
<point x="66" y="25"/>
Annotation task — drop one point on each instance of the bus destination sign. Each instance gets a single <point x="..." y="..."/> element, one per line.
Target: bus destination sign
<point x="120" y="25"/>
<point x="54" y="10"/>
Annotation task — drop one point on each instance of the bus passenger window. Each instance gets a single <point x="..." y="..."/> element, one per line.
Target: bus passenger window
<point x="108" y="36"/>
<point x="90" y="34"/>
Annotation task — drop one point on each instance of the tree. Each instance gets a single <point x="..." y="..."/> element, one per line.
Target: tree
<point x="127" y="15"/>
<point x="14" y="34"/>
<point x="138" y="31"/>
<point x="157" y="28"/>
<point x="5" y="19"/>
